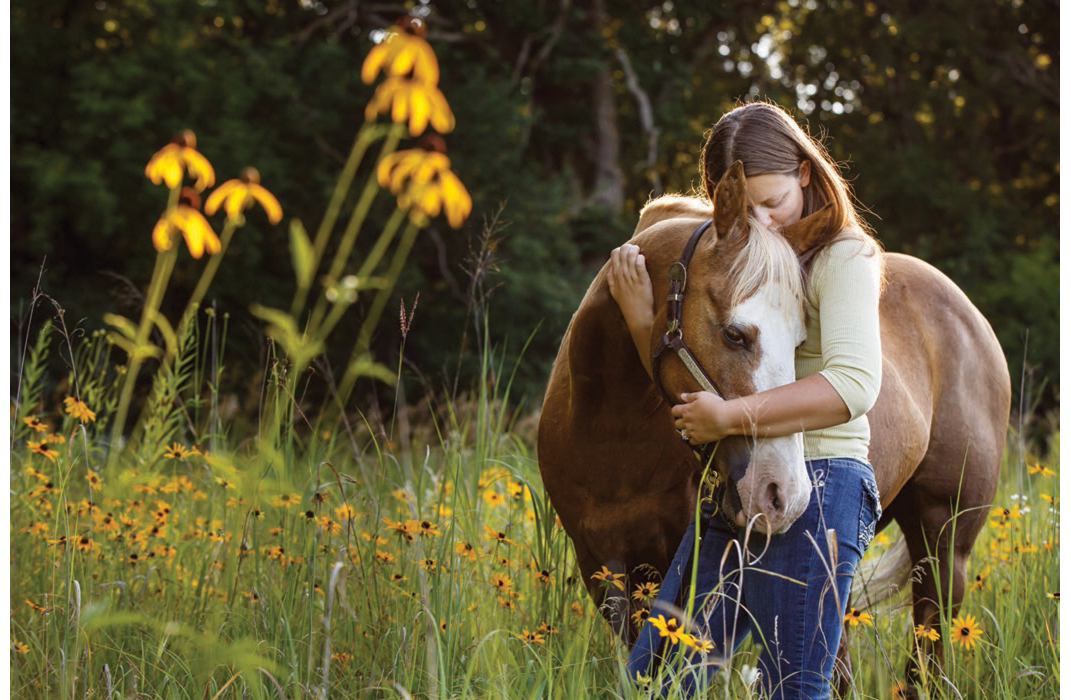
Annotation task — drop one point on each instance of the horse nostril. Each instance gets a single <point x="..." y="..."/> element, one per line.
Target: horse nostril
<point x="773" y="494"/>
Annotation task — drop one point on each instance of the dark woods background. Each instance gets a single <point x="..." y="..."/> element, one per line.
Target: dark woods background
<point x="570" y="115"/>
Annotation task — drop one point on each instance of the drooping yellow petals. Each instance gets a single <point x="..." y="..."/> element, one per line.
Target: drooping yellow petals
<point x="411" y="101"/>
<point x="194" y="228"/>
<point x="425" y="184"/>
<point x="240" y="194"/>
<point x="404" y="51"/>
<point x="170" y="163"/>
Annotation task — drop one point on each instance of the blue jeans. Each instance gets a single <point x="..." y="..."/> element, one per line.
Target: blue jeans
<point x="782" y="593"/>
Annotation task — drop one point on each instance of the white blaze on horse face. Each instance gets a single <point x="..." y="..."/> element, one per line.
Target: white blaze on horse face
<point x="775" y="484"/>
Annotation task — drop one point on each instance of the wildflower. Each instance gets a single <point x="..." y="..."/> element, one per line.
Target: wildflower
<point x="503" y="562"/>
<point x="429" y="565"/>
<point x="85" y="544"/>
<point x="1036" y="468"/>
<point x="93" y="479"/>
<point x="577" y="609"/>
<point x="342" y="657"/>
<point x="35" y="424"/>
<point x="54" y="439"/>
<point x="443" y="626"/>
<point x="645" y="591"/>
<point x="19" y="647"/>
<point x="169" y="163"/>
<point x="240" y="194"/>
<point x="275" y="552"/>
<point x="422" y="178"/>
<point x="966" y="631"/>
<point x="531" y="637"/>
<point x="638" y="617"/>
<point x="668" y="628"/>
<point x="897" y="691"/>
<point x="1055" y="595"/>
<point x="40" y="476"/>
<point x="544" y="577"/>
<point x="77" y="409"/>
<point x="979" y="580"/>
<point x="927" y="632"/>
<point x="385" y="557"/>
<point x="285" y="500"/>
<point x="858" y="617"/>
<point x="330" y="526"/>
<point x="176" y="451"/>
<point x="193" y="226"/>
<point x="403" y="52"/>
<point x="703" y="646"/>
<point x="507" y="604"/>
<point x="465" y="550"/>
<point x="1025" y="548"/>
<point x="424" y="527"/>
<point x="502" y="583"/>
<point x="1049" y="499"/>
<point x="40" y="448"/>
<point x="345" y="512"/>
<point x="397" y="578"/>
<point x="493" y="498"/>
<point x="547" y="629"/>
<point x="223" y="483"/>
<point x="309" y="516"/>
<point x="609" y="577"/>
<point x="497" y="535"/>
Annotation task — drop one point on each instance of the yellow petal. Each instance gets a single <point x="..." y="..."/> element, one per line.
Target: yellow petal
<point x="219" y="195"/>
<point x="268" y="201"/>
<point x="161" y="235"/>
<point x="403" y="57"/>
<point x="199" y="168"/>
<point x="426" y="67"/>
<point x="441" y="116"/>
<point x="236" y="202"/>
<point x="399" y="105"/>
<point x="372" y="62"/>
<point x="419" y="111"/>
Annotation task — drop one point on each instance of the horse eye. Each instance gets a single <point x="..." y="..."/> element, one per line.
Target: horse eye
<point x="733" y="336"/>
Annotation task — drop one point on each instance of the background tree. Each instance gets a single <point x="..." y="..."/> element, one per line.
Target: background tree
<point x="570" y="115"/>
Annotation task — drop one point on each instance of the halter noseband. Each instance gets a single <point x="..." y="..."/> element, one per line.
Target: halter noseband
<point x="673" y="338"/>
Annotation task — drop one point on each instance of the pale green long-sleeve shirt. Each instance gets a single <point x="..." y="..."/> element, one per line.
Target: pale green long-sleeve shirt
<point x="843" y="341"/>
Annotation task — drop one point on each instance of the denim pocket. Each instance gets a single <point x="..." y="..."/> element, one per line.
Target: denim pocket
<point x="869" y="512"/>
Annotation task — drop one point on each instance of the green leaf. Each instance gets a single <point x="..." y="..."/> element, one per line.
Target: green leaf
<point x="301" y="254"/>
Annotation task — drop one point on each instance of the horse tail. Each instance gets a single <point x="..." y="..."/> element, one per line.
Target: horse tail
<point x="881" y="577"/>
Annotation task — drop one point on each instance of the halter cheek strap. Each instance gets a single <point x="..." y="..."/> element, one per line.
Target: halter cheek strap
<point x="673" y="338"/>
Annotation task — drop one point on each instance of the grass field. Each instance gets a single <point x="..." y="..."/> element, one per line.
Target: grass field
<point x="359" y="561"/>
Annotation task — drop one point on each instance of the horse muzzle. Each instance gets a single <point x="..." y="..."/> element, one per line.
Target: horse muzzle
<point x="766" y="483"/>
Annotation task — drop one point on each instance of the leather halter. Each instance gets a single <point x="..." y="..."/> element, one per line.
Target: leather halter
<point x="673" y="338"/>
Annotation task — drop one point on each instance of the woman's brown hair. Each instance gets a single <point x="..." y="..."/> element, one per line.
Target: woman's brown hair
<point x="768" y="140"/>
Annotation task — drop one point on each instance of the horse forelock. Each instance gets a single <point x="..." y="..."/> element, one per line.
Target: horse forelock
<point x="768" y="264"/>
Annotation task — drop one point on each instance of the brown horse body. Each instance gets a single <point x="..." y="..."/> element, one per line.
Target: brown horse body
<point x="624" y="484"/>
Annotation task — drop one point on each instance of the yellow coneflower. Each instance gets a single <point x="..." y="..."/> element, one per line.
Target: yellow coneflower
<point x="404" y="51"/>
<point x="422" y="179"/>
<point x="411" y="101"/>
<point x="77" y="409"/>
<point x="170" y="163"/>
<point x="238" y="195"/>
<point x="193" y="226"/>
<point x="857" y="617"/>
<point x="966" y="631"/>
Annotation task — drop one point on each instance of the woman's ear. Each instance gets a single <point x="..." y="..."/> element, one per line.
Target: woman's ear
<point x="805" y="172"/>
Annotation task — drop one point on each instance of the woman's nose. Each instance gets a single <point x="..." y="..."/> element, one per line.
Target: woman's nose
<point x="762" y="215"/>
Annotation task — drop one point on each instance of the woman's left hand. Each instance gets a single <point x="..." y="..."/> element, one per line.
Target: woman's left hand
<point x="701" y="417"/>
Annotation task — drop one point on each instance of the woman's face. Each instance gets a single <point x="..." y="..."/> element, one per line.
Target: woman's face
<point x="776" y="199"/>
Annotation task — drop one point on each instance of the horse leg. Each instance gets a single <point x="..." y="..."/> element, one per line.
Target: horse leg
<point x="939" y="543"/>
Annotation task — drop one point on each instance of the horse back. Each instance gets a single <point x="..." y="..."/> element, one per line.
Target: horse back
<point x="941" y="415"/>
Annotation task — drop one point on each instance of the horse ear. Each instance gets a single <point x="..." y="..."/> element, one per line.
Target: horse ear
<point x="803" y="234"/>
<point x="730" y="202"/>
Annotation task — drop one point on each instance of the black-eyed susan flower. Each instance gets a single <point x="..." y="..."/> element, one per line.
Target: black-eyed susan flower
<point x="171" y="162"/>
<point x="345" y="512"/>
<point x="465" y="550"/>
<point x="531" y="637"/>
<point x="609" y="577"/>
<point x="425" y="528"/>
<point x="18" y="647"/>
<point x="645" y="591"/>
<point x="412" y="101"/>
<point x="423" y="181"/>
<point x="703" y="646"/>
<point x="403" y="52"/>
<point x="1055" y="595"/>
<point x="966" y="631"/>
<point x="429" y="565"/>
<point x="670" y="628"/>
<point x="93" y="479"/>
<point x="285" y="500"/>
<point x="329" y="526"/>
<point x="857" y="617"/>
<point x="501" y="582"/>
<point x="36" y="424"/>
<point x="638" y="617"/>
<point x="175" y="451"/>
<point x="42" y="449"/>
<point x="397" y="578"/>
<point x="497" y="535"/>
<point x="543" y="576"/>
<point x="898" y="691"/>
<point x="493" y="498"/>
<point x="238" y="195"/>
<point x="192" y="225"/>
<point x="578" y="609"/>
<point x="85" y="544"/>
<point x="77" y="409"/>
<point x="926" y="632"/>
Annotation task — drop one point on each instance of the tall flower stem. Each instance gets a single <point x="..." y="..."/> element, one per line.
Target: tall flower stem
<point x="211" y="267"/>
<point x="165" y="264"/>
<point x="353" y="226"/>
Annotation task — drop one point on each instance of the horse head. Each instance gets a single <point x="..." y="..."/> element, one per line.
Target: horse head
<point x="742" y="318"/>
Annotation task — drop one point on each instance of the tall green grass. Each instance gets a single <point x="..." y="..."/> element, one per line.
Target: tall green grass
<point x="362" y="560"/>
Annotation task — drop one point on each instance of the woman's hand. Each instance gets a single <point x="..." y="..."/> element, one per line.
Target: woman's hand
<point x="630" y="286"/>
<point x="701" y="418"/>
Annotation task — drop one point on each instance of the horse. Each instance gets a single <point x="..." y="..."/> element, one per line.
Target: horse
<point x="624" y="484"/>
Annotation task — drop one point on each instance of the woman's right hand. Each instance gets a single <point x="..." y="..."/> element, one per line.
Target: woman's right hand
<point x="630" y="286"/>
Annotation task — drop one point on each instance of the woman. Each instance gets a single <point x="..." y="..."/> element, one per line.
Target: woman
<point x="794" y="614"/>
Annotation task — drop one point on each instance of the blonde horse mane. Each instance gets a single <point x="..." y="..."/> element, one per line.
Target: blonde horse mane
<point x="766" y="262"/>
